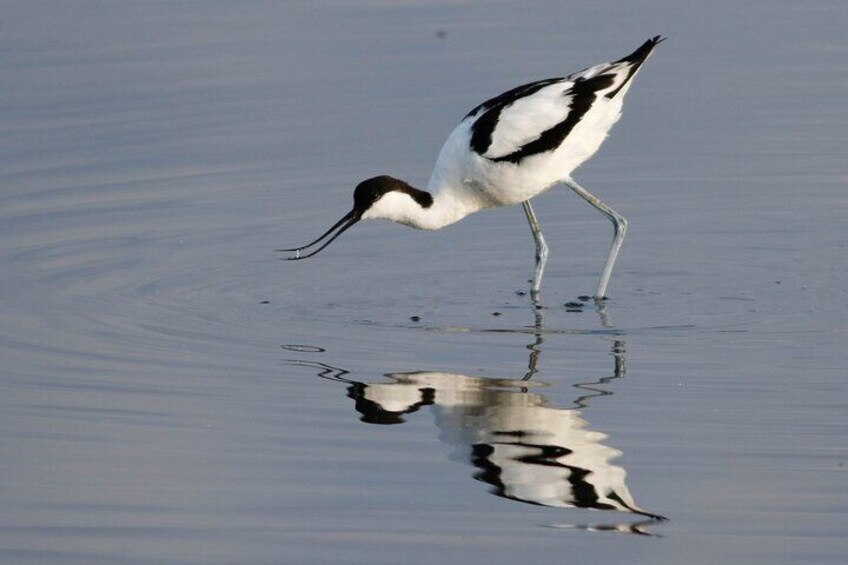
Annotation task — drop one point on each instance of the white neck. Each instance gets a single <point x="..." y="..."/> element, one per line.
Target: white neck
<point x="399" y="207"/>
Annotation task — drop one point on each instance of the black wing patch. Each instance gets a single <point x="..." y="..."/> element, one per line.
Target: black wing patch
<point x="484" y="126"/>
<point x="583" y="95"/>
<point x="583" y="493"/>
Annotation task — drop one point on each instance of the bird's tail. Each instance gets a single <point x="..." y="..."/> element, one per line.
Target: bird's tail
<point x="638" y="57"/>
<point x="624" y="69"/>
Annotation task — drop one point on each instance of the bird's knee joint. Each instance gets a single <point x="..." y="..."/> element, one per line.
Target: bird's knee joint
<point x="620" y="226"/>
<point x="541" y="252"/>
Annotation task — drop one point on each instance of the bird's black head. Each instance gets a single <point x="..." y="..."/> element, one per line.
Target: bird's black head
<point x="371" y="190"/>
<point x="367" y="193"/>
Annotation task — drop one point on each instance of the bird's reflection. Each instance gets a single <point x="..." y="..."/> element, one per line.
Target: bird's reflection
<point x="521" y="444"/>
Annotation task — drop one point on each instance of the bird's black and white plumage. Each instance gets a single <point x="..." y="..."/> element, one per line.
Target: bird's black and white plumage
<point x="518" y="144"/>
<point x="507" y="150"/>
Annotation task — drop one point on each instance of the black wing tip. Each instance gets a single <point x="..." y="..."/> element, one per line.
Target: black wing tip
<point x="656" y="40"/>
<point x="639" y="56"/>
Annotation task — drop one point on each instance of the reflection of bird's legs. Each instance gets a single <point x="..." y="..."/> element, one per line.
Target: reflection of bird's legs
<point x="619" y="349"/>
<point x="534" y="347"/>
<point x="619" y="353"/>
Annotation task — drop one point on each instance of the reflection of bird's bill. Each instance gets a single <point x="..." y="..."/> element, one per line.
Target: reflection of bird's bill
<point x="324" y="371"/>
<point x="338" y="229"/>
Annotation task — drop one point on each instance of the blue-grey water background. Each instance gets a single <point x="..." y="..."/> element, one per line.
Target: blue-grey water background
<point x="153" y="154"/>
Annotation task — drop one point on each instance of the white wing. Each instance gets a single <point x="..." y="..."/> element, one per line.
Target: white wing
<point x="537" y="117"/>
<point x="525" y="119"/>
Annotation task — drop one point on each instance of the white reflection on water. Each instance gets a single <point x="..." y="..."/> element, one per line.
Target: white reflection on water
<point x="521" y="444"/>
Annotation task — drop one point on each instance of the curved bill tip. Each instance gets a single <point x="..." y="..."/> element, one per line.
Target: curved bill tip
<point x="338" y="229"/>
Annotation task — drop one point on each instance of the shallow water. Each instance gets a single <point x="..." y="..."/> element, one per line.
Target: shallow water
<point x="172" y="393"/>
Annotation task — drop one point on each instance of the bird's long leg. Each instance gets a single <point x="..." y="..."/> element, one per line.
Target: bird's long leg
<point x="541" y="249"/>
<point x="619" y="227"/>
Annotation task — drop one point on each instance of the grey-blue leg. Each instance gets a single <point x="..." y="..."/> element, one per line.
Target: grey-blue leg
<point x="541" y="248"/>
<point x="619" y="227"/>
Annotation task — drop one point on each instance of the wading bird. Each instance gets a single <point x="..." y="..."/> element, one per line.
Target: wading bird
<point x="506" y="151"/>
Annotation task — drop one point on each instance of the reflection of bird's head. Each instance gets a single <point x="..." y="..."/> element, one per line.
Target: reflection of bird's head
<point x="375" y="410"/>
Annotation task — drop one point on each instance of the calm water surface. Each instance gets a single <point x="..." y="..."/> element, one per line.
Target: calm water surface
<point x="172" y="393"/>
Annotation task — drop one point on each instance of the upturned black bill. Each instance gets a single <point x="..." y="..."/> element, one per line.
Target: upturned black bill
<point x="338" y="229"/>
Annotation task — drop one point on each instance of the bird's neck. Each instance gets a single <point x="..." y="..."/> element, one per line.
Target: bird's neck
<point x="444" y="209"/>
